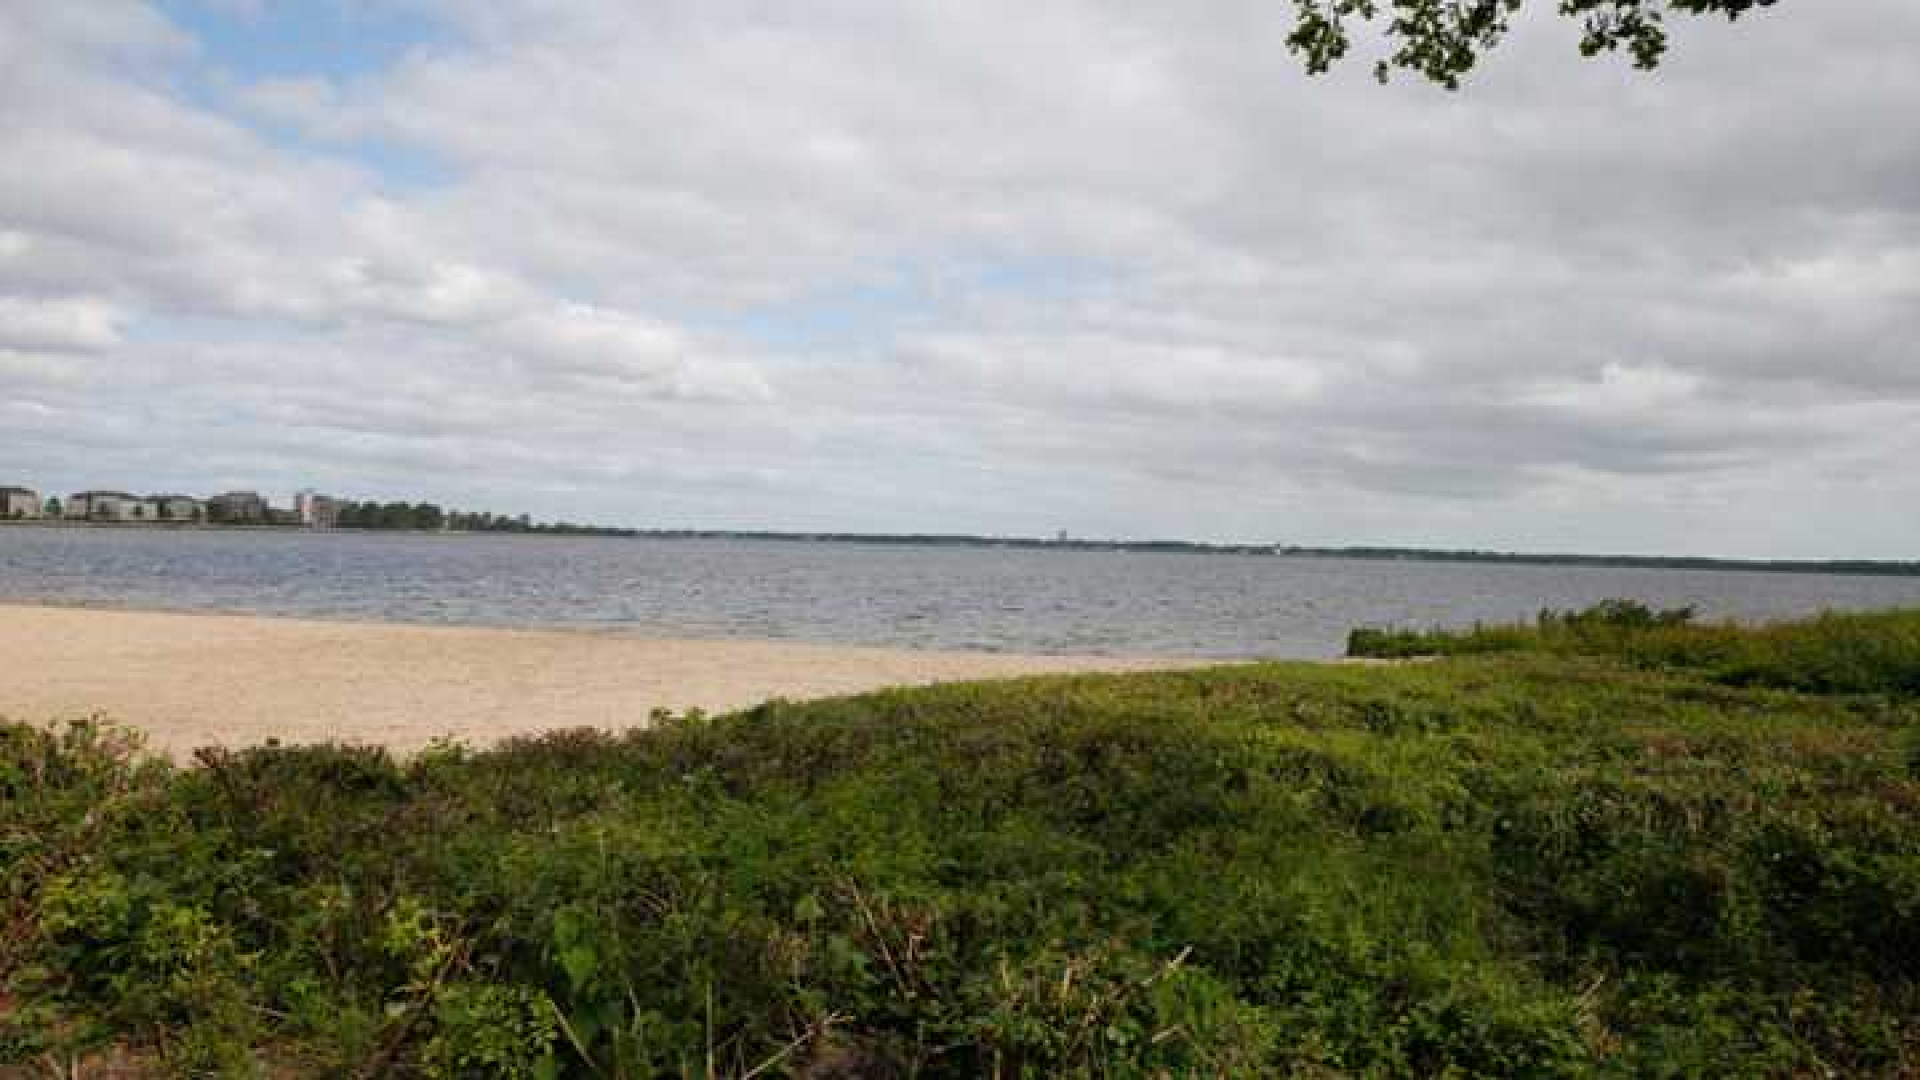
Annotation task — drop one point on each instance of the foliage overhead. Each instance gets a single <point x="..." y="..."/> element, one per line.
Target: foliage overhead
<point x="1442" y="39"/>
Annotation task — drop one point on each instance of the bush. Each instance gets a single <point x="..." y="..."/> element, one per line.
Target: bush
<point x="1832" y="653"/>
<point x="1518" y="864"/>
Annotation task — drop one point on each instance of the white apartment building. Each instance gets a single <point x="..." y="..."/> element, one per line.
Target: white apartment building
<point x="19" y="502"/>
<point x="110" y="506"/>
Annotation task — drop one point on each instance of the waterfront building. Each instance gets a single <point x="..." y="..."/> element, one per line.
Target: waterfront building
<point x="237" y="508"/>
<point x="108" y="506"/>
<point x="18" y="502"/>
<point x="317" y="511"/>
<point x="177" y="508"/>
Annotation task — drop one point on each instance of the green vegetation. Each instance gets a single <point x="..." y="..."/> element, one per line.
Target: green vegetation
<point x="430" y="517"/>
<point x="1540" y="861"/>
<point x="1442" y="40"/>
<point x="1865" y="653"/>
<point x="424" y="516"/>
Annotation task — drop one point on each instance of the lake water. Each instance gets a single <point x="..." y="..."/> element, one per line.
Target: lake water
<point x="1003" y="599"/>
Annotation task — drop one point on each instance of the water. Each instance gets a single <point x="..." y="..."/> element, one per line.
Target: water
<point x="1014" y="600"/>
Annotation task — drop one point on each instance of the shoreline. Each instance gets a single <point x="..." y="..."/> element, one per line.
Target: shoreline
<point x="643" y="633"/>
<point x="1838" y="567"/>
<point x="188" y="680"/>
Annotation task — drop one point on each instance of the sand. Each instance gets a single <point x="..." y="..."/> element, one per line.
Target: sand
<point x="189" y="681"/>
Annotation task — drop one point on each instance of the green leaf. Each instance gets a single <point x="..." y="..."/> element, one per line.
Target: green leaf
<point x="807" y="909"/>
<point x="580" y="962"/>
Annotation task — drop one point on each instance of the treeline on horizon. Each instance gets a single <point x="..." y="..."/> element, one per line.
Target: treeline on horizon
<point x="1644" y="562"/>
<point x="429" y="517"/>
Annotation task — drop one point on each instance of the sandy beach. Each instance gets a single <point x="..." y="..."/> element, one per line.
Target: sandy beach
<point x="220" y="680"/>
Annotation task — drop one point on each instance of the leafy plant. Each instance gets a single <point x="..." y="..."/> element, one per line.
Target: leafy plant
<point x="1603" y="853"/>
<point x="1854" y="653"/>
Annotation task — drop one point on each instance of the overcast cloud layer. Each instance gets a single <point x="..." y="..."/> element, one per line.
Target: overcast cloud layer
<point x="1110" y="267"/>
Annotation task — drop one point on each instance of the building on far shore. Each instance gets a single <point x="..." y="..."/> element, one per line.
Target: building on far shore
<point x="177" y="508"/>
<point x="17" y="503"/>
<point x="109" y="506"/>
<point x="79" y="504"/>
<point x="237" y="508"/>
<point x="317" y="511"/>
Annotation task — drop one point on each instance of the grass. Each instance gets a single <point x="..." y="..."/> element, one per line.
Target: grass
<point x="1854" y="653"/>
<point x="1637" y="857"/>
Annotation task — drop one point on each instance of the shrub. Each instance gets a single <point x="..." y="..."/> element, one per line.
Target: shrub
<point x="1525" y="863"/>
<point x="1832" y="653"/>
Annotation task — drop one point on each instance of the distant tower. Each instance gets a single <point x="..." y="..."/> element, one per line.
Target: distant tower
<point x="1062" y="538"/>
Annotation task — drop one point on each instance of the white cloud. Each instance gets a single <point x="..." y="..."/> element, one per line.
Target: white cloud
<point x="1625" y="394"/>
<point x="66" y="323"/>
<point x="1111" y="266"/>
<point x="311" y="104"/>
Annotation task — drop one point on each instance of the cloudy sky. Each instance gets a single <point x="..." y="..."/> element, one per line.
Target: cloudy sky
<point x="1108" y="266"/>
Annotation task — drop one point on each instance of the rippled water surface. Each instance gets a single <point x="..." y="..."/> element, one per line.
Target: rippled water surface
<point x="1007" y="599"/>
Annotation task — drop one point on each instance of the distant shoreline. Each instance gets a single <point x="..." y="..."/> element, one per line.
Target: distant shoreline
<point x="1847" y="567"/>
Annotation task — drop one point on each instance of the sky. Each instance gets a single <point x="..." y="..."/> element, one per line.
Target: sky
<point x="1118" y="268"/>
